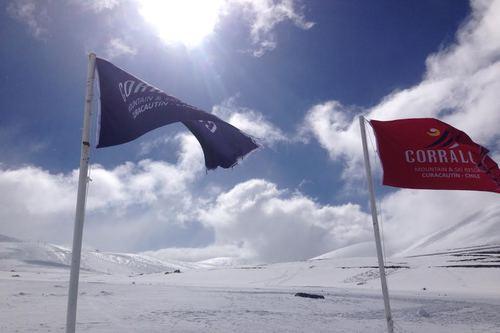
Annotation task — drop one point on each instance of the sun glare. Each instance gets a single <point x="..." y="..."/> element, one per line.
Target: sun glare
<point x="184" y="21"/>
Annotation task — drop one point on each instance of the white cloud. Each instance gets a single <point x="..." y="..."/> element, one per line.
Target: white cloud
<point x="255" y="221"/>
<point x="126" y="205"/>
<point x="460" y="86"/>
<point x="249" y="121"/>
<point x="277" y="226"/>
<point x="334" y="127"/>
<point x="117" y="47"/>
<point x="135" y="204"/>
<point x="264" y="15"/>
<point x="32" y="13"/>
<point x="33" y="199"/>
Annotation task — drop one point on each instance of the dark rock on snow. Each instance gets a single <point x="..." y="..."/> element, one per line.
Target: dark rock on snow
<point x="310" y="295"/>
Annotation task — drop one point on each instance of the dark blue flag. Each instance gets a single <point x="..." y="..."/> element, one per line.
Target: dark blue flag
<point x="130" y="108"/>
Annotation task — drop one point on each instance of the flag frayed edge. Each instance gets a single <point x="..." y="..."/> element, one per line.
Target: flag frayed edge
<point x="240" y="158"/>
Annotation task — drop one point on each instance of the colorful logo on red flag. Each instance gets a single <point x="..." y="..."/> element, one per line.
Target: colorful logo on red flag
<point x="433" y="132"/>
<point x="427" y="153"/>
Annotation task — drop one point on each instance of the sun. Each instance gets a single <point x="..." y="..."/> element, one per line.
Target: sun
<point x="184" y="21"/>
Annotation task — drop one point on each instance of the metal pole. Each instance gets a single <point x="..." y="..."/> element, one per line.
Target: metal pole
<point x="80" y="201"/>
<point x="383" y="281"/>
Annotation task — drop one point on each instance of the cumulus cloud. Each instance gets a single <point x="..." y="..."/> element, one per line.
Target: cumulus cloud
<point x="145" y="202"/>
<point x="33" y="198"/>
<point x="130" y="204"/>
<point x="134" y="205"/>
<point x="460" y="86"/>
<point x="278" y="226"/>
<point x="257" y="222"/>
<point x="126" y="205"/>
<point x="249" y="121"/>
<point x="334" y="127"/>
<point x="139" y="204"/>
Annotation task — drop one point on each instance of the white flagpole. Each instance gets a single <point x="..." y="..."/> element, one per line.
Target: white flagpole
<point x="80" y="201"/>
<point x="385" y="291"/>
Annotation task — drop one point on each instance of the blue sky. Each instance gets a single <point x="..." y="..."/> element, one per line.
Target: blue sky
<point x="296" y="74"/>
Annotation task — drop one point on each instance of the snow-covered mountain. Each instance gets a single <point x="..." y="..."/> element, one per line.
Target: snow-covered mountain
<point x="482" y="227"/>
<point x="37" y="255"/>
<point x="453" y="290"/>
<point x="479" y="228"/>
<point x="17" y="253"/>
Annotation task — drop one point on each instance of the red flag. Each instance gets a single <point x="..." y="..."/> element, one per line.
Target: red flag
<point x="430" y="154"/>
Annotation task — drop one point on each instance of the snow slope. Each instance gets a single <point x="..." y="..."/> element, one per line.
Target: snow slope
<point x="20" y="254"/>
<point x="473" y="271"/>
<point x="482" y="227"/>
<point x="455" y="290"/>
